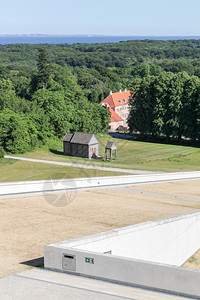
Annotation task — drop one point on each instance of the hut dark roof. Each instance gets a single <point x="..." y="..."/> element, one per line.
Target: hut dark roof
<point x="111" y="145"/>
<point x="67" y="137"/>
<point x="82" y="138"/>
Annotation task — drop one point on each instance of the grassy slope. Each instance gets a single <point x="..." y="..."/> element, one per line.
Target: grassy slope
<point x="131" y="154"/>
<point x="135" y="155"/>
<point x="12" y="170"/>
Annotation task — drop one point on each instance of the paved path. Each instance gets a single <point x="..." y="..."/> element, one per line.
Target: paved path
<point x="81" y="166"/>
<point x="48" y="285"/>
<point x="131" y="190"/>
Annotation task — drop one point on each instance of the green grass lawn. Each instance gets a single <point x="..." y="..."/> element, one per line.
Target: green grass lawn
<point x="13" y="170"/>
<point x="134" y="155"/>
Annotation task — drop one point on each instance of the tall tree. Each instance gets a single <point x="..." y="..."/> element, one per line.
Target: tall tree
<point x="191" y="100"/>
<point x="172" y="104"/>
<point x="140" y="117"/>
<point x="44" y="68"/>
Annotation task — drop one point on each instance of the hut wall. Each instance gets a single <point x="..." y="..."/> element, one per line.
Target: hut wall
<point x="80" y="150"/>
<point x="67" y="148"/>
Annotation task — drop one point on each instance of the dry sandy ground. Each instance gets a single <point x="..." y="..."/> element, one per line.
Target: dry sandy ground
<point x="189" y="188"/>
<point x="29" y="223"/>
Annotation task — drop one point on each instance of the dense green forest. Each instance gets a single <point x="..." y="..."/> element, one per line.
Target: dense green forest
<point x="46" y="90"/>
<point x="167" y="106"/>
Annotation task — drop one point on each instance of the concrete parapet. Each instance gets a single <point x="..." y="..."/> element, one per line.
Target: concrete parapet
<point x="11" y="188"/>
<point x="145" y="255"/>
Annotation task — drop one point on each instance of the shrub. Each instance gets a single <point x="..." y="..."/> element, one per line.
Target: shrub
<point x="2" y="152"/>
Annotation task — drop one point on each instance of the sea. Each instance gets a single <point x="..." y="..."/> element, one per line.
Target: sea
<point x="23" y="39"/>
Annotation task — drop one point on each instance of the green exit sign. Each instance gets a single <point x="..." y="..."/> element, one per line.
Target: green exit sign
<point x="89" y="260"/>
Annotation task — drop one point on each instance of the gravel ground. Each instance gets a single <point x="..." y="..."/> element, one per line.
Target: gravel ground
<point x="28" y="223"/>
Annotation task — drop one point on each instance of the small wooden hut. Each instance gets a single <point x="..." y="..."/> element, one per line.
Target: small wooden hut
<point x="81" y="144"/>
<point x="110" y="146"/>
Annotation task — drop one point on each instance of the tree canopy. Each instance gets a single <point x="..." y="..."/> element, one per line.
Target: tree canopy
<point x="167" y="105"/>
<point x="51" y="89"/>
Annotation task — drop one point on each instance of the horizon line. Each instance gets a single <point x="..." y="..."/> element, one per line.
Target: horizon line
<point x="95" y="35"/>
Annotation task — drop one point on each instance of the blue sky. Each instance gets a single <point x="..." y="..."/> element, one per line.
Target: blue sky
<point x="106" y="17"/>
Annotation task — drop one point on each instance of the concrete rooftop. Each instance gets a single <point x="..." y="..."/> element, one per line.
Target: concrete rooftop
<point x="47" y="285"/>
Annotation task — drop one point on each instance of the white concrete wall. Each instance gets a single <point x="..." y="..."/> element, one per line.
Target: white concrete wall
<point x="167" y="241"/>
<point x="129" y="271"/>
<point x="63" y="184"/>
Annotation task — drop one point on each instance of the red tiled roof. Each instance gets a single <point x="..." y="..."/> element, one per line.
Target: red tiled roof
<point x="113" y="99"/>
<point x="114" y="117"/>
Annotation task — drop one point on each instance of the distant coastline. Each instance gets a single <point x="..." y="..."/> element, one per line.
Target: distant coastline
<point x="73" y="39"/>
<point x="48" y="35"/>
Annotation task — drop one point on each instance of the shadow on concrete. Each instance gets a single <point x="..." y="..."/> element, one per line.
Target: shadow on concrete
<point x="37" y="262"/>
